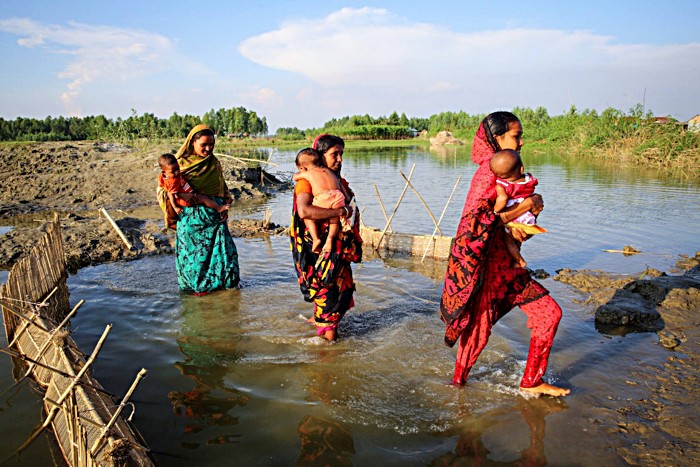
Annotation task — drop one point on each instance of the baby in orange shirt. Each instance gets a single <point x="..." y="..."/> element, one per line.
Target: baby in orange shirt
<point x="180" y="193"/>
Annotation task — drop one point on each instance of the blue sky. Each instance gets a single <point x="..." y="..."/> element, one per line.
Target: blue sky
<point x="300" y="63"/>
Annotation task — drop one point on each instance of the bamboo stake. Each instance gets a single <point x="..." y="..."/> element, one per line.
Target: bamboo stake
<point x="362" y="211"/>
<point x="43" y="349"/>
<point x="441" y="215"/>
<point x="116" y="227"/>
<point x="381" y="205"/>
<point x="388" y="223"/>
<point x="422" y="201"/>
<point x="54" y="410"/>
<point x="25" y="324"/>
<point x="108" y="426"/>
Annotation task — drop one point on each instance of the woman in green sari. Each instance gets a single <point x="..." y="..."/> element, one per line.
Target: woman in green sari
<point x="207" y="258"/>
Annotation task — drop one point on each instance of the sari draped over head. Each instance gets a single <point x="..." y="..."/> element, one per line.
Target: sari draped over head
<point x="481" y="285"/>
<point x="207" y="258"/>
<point x="326" y="280"/>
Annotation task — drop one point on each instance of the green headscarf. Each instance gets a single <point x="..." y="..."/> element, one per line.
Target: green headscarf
<point x="204" y="174"/>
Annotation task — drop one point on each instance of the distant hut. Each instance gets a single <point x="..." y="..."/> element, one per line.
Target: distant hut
<point x="694" y="124"/>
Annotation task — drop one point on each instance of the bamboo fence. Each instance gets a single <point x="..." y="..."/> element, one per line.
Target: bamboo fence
<point x="86" y="420"/>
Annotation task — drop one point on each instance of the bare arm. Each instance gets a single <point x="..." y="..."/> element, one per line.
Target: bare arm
<point x="501" y="199"/>
<point x="534" y="204"/>
<point x="307" y="210"/>
<point x="171" y="199"/>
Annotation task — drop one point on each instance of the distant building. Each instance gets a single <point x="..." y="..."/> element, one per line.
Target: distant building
<point x="694" y="124"/>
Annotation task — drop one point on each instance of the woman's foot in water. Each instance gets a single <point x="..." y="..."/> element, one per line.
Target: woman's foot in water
<point x="329" y="335"/>
<point x="546" y="389"/>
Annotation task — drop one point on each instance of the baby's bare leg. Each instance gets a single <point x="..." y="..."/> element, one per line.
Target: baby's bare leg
<point x="333" y="230"/>
<point x="514" y="250"/>
<point x="312" y="227"/>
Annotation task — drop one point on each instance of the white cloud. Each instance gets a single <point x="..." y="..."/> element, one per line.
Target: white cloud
<point x="386" y="56"/>
<point x="98" y="54"/>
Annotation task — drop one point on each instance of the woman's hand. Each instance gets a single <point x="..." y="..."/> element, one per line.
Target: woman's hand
<point x="534" y="204"/>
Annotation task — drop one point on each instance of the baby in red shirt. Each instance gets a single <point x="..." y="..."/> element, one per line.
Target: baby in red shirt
<point x="180" y="193"/>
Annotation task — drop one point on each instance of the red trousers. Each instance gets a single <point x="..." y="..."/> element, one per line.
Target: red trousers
<point x="543" y="316"/>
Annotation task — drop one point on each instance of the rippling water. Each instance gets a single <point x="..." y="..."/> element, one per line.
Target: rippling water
<point x="236" y="377"/>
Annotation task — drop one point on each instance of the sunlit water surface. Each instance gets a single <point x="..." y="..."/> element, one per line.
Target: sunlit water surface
<point x="237" y="377"/>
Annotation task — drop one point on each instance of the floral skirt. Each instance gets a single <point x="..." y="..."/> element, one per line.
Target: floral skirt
<point x="207" y="258"/>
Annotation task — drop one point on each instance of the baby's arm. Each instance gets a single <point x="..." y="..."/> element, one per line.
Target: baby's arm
<point x="300" y="176"/>
<point x="501" y="199"/>
<point x="171" y="199"/>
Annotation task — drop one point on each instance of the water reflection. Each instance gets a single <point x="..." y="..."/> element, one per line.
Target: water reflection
<point x="209" y="349"/>
<point x="472" y="447"/>
<point x="324" y="442"/>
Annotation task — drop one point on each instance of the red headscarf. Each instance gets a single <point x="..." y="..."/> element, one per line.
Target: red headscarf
<point x="484" y="181"/>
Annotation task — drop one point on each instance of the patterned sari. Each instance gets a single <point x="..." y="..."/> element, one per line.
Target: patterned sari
<point x="325" y="281"/>
<point x="207" y="258"/>
<point x="481" y="285"/>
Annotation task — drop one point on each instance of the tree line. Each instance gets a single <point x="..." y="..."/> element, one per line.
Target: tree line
<point x="234" y="121"/>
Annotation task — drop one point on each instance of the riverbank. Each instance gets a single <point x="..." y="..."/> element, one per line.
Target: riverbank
<point x="74" y="180"/>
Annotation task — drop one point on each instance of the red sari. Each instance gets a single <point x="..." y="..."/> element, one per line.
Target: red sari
<point x="481" y="285"/>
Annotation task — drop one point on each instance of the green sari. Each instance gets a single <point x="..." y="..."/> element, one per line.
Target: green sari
<point x="207" y="258"/>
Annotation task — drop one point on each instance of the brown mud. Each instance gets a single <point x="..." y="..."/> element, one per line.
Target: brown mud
<point x="74" y="180"/>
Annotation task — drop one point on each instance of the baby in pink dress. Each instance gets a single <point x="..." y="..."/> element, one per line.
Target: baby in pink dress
<point x="513" y="185"/>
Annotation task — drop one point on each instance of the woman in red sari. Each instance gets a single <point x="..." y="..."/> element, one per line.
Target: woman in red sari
<point x="481" y="284"/>
<point x="326" y="281"/>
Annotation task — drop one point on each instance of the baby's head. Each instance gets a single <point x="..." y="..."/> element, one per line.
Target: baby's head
<point x="506" y="164"/>
<point x="169" y="165"/>
<point x="309" y="158"/>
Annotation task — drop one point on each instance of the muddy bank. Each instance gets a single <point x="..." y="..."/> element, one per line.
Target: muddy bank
<point x="664" y="427"/>
<point x="76" y="179"/>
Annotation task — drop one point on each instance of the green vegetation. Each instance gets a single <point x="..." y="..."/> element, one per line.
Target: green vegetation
<point x="634" y="137"/>
<point x="237" y="122"/>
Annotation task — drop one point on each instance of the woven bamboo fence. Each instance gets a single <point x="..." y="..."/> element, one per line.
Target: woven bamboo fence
<point x="86" y="420"/>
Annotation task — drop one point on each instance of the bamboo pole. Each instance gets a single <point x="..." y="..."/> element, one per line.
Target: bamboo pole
<point x="42" y="350"/>
<point x="388" y="223"/>
<point x="115" y="416"/>
<point x="441" y="216"/>
<point x="422" y="201"/>
<point x="116" y="227"/>
<point x="54" y="410"/>
<point x="25" y="324"/>
<point x="249" y="160"/>
<point x="381" y="205"/>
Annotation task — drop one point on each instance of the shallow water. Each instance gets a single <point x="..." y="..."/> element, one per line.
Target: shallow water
<point x="237" y="376"/>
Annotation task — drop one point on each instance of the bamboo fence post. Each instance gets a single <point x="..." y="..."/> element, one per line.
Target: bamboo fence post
<point x="116" y="227"/>
<point x="441" y="216"/>
<point x="362" y="211"/>
<point x="25" y="324"/>
<point x="381" y="205"/>
<point x="108" y="426"/>
<point x="422" y="201"/>
<point x="67" y="392"/>
<point x="388" y="223"/>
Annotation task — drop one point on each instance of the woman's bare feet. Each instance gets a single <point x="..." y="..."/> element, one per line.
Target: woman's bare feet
<point x="329" y="335"/>
<point x="546" y="389"/>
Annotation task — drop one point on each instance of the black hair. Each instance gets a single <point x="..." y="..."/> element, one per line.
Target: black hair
<point x="312" y="155"/>
<point x="496" y="124"/>
<point x="167" y="160"/>
<point x="325" y="142"/>
<point x="204" y="132"/>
